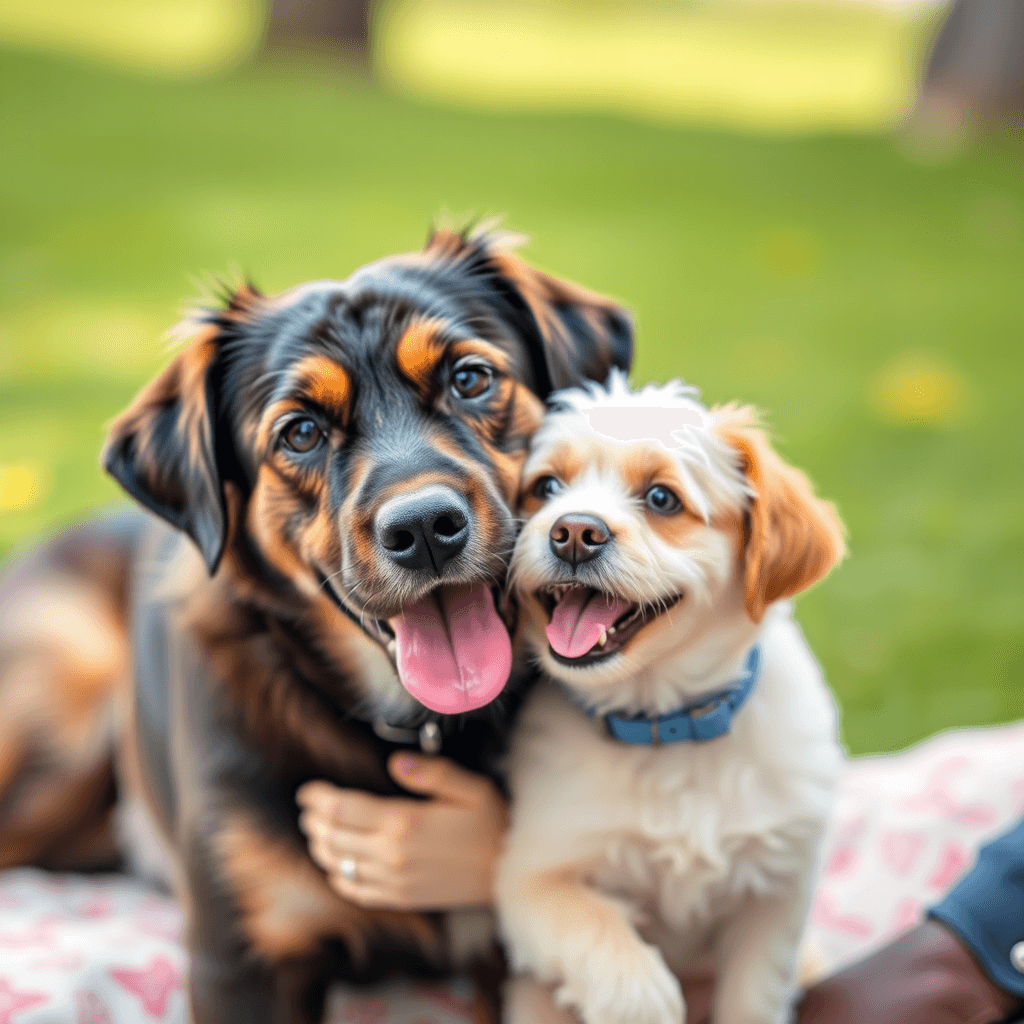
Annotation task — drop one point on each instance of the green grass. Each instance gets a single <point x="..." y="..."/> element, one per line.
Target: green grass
<point x="842" y="287"/>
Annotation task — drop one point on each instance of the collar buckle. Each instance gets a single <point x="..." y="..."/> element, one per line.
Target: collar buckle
<point x="655" y="733"/>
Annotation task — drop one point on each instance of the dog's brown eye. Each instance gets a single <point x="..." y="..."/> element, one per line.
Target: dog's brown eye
<point x="546" y="487"/>
<point x="661" y="500"/>
<point x="472" y="381"/>
<point x="302" y="436"/>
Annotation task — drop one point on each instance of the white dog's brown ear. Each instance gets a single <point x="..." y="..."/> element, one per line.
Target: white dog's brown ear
<point x="793" y="538"/>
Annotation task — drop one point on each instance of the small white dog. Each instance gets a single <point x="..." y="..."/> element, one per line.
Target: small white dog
<point x="672" y="777"/>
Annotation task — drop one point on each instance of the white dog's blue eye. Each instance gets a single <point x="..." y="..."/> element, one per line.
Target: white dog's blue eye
<point x="546" y="487"/>
<point x="661" y="500"/>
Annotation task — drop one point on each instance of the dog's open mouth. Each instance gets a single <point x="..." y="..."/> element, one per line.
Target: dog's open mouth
<point x="588" y="625"/>
<point x="451" y="648"/>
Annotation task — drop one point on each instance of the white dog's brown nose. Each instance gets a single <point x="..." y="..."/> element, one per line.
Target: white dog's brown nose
<point x="578" y="538"/>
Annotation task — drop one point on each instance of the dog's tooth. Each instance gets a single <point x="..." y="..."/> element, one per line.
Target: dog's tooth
<point x="611" y="631"/>
<point x="603" y="638"/>
<point x="392" y="648"/>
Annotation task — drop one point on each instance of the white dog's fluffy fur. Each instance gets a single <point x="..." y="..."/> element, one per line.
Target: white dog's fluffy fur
<point x="627" y="864"/>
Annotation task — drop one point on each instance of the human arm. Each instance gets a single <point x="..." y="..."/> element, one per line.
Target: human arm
<point x="985" y="911"/>
<point x="927" y="976"/>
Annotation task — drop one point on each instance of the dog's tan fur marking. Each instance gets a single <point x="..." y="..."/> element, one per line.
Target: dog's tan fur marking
<point x="271" y="415"/>
<point x="418" y="352"/>
<point x="286" y="905"/>
<point x="565" y="462"/>
<point x="524" y="417"/>
<point x="271" y="503"/>
<point x="527" y="412"/>
<point x="326" y="382"/>
<point x="488" y="352"/>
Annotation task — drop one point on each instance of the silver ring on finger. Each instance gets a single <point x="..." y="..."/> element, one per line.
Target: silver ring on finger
<point x="348" y="869"/>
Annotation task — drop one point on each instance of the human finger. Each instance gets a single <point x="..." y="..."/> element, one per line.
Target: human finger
<point x="345" y="842"/>
<point x="364" y="893"/>
<point x="439" y="777"/>
<point x="351" y="866"/>
<point x="344" y="808"/>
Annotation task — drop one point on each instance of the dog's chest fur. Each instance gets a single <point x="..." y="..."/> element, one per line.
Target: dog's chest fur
<point x="682" y="832"/>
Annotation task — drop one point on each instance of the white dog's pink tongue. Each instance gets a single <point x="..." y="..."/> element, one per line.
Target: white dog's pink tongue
<point x="579" y="618"/>
<point x="453" y="652"/>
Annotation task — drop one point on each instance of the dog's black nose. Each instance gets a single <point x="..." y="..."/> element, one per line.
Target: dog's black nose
<point x="425" y="530"/>
<point x="578" y="538"/>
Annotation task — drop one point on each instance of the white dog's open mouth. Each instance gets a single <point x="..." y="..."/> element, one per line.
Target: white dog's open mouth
<point x="588" y="625"/>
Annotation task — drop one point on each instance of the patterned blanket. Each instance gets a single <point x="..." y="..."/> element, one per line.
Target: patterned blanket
<point x="106" y="949"/>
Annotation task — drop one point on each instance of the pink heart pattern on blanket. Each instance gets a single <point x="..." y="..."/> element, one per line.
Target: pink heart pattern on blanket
<point x="106" y="949"/>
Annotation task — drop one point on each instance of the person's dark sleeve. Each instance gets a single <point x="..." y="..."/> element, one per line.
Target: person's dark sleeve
<point x="986" y="909"/>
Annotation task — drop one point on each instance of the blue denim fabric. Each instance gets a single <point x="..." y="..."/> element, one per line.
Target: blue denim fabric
<point x="986" y="909"/>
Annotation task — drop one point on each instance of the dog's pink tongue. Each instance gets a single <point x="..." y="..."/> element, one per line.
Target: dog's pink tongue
<point x="458" y="660"/>
<point x="578" y="619"/>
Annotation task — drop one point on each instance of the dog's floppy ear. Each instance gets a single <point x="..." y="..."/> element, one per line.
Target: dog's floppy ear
<point x="584" y="335"/>
<point x="793" y="538"/>
<point x="573" y="334"/>
<point x="162" y="449"/>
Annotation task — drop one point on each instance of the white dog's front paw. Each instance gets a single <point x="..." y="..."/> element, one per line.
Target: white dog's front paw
<point x="785" y="1016"/>
<point x="640" y="991"/>
<point x="766" y="1008"/>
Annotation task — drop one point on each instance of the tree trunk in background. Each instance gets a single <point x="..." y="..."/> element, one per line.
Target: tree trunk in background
<point x="976" y="68"/>
<point x="321" y="25"/>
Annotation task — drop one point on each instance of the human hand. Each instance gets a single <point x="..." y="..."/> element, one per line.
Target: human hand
<point x="927" y="976"/>
<point x="435" y="854"/>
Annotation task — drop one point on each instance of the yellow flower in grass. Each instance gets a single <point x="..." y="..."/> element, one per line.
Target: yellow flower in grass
<point x="22" y="486"/>
<point x="919" y="387"/>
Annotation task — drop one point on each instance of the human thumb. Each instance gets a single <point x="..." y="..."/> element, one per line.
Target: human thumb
<point x="437" y="777"/>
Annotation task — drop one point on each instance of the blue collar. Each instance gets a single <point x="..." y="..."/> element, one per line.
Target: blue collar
<point x="701" y="720"/>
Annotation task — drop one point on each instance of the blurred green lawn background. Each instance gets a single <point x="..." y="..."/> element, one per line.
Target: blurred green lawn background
<point x="871" y="303"/>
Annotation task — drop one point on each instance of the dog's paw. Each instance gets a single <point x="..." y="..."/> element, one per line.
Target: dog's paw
<point x="640" y="991"/>
<point x="766" y="1011"/>
<point x="786" y="1016"/>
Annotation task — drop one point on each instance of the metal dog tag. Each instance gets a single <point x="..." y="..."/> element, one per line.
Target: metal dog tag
<point x="430" y="738"/>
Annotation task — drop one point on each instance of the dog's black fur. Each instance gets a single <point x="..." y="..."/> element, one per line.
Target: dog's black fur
<point x="262" y="663"/>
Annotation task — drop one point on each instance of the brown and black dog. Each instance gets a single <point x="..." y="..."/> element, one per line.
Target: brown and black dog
<point x="333" y="471"/>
